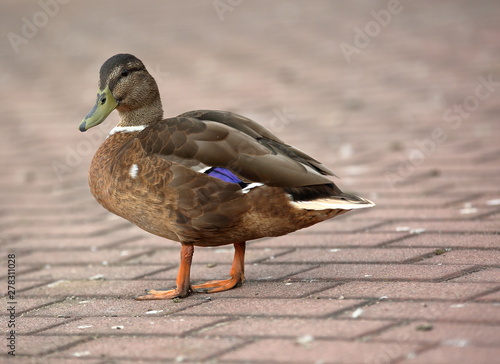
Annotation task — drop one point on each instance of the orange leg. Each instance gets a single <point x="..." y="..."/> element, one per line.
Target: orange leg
<point x="183" y="279"/>
<point x="237" y="274"/>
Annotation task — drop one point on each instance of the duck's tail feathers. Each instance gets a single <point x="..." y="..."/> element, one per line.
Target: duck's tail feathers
<point x="341" y="202"/>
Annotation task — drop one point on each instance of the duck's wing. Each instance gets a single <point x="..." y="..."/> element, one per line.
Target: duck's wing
<point x="204" y="139"/>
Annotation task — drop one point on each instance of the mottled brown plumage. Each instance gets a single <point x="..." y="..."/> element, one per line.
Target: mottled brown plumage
<point x="162" y="175"/>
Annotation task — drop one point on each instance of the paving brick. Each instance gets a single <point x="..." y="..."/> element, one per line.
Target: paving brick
<point x="92" y="307"/>
<point x="58" y="230"/>
<point x="318" y="351"/>
<point x="464" y="227"/>
<point x="96" y="288"/>
<point x="341" y="224"/>
<point x="380" y="271"/>
<point x="457" y="355"/>
<point x="273" y="307"/>
<point x="483" y="275"/>
<point x="420" y="214"/>
<point x="450" y="241"/>
<point x="278" y="290"/>
<point x="258" y="328"/>
<point x="440" y="311"/>
<point x="148" y="241"/>
<point x="253" y="272"/>
<point x="492" y="297"/>
<point x="75" y="243"/>
<point x="203" y="255"/>
<point x="411" y="202"/>
<point x="425" y="332"/>
<point x="52" y="273"/>
<point x="346" y="255"/>
<point x="26" y="304"/>
<point x="156" y="348"/>
<point x="29" y="325"/>
<point x="38" y="345"/>
<point x="329" y="240"/>
<point x="45" y="360"/>
<point x="407" y="290"/>
<point x="153" y="325"/>
<point x="83" y="257"/>
<point x="469" y="256"/>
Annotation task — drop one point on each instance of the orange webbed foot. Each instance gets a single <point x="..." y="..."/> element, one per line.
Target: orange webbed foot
<point x="183" y="281"/>
<point x="153" y="294"/>
<point x="219" y="285"/>
<point x="237" y="274"/>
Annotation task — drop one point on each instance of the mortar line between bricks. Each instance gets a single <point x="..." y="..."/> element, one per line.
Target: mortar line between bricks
<point x="318" y="338"/>
<point x="420" y="258"/>
<point x="357" y="247"/>
<point x="381" y="262"/>
<point x="66" y="347"/>
<point x="307" y="269"/>
<point x="41" y="284"/>
<point x="418" y="177"/>
<point x="235" y="347"/>
<point x="463" y="273"/>
<point x="487" y="157"/>
<point x="395" y="240"/>
<point x="89" y="235"/>
<point x="430" y="219"/>
<point x="260" y="362"/>
<point x="365" y="303"/>
<point x="119" y="242"/>
<point x="486" y="214"/>
<point x="451" y="232"/>
<point x="467" y="198"/>
<point x="355" y="231"/>
<point x="405" y="221"/>
<point x="38" y="307"/>
<point x="209" y="326"/>
<point x="160" y="270"/>
<point x="314" y="292"/>
<point x="370" y="334"/>
<point x="424" y="343"/>
<point x="424" y="348"/>
<point x="369" y="227"/>
<point x="240" y="346"/>
<point x="485" y="293"/>
<point x="288" y="251"/>
<point x="388" y="280"/>
<point x="287" y="337"/>
<point x="416" y="300"/>
<point x="438" y="189"/>
<point x="65" y="322"/>
<point x="28" y="270"/>
<point x="132" y="257"/>
<point x="452" y="247"/>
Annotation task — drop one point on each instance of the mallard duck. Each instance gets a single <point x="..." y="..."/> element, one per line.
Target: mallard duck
<point x="204" y="178"/>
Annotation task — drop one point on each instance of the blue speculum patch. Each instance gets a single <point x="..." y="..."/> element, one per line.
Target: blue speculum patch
<point x="223" y="174"/>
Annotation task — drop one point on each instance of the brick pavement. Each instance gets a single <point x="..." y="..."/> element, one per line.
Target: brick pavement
<point x="409" y="122"/>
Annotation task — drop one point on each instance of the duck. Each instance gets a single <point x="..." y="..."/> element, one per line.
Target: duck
<point x="205" y="178"/>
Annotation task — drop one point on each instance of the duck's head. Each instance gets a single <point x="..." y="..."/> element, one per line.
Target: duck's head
<point x="125" y="85"/>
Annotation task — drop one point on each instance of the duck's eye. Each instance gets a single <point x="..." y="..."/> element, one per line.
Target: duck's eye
<point x="125" y="73"/>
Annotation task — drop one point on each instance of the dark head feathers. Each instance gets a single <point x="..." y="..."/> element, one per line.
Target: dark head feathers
<point x="118" y="62"/>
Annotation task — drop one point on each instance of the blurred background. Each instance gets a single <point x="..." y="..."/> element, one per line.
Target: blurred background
<point x="390" y="95"/>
